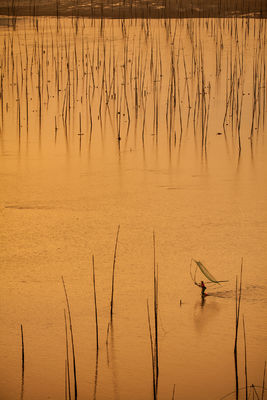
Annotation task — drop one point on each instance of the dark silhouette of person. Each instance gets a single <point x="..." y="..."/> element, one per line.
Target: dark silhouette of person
<point x="202" y="286"/>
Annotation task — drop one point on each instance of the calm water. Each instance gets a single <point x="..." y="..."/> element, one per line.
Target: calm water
<point x="153" y="126"/>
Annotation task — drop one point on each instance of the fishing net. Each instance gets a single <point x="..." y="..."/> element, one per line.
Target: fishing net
<point x="206" y="272"/>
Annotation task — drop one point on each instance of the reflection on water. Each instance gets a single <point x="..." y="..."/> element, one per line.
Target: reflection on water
<point x="122" y="87"/>
<point x="205" y="312"/>
<point x="152" y="125"/>
<point x="22" y="364"/>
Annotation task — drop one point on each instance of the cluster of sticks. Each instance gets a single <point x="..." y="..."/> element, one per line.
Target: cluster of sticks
<point x="97" y="85"/>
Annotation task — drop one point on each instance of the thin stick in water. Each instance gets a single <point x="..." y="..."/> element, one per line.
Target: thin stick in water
<point x="72" y="342"/>
<point x="96" y="320"/>
<point x="173" y="392"/>
<point x="238" y="300"/>
<point x="156" y="311"/>
<point x="263" y="381"/>
<point x="22" y="363"/>
<point x="22" y="349"/>
<point x="245" y="354"/>
<point x="152" y="353"/>
<point x="67" y="360"/>
<point x="113" y="275"/>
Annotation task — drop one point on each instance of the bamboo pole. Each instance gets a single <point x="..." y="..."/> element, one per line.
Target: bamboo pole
<point x="68" y="391"/>
<point x="22" y="364"/>
<point x="96" y="319"/>
<point x="238" y="300"/>
<point x="113" y="275"/>
<point x="152" y="353"/>
<point x="245" y="354"/>
<point x="263" y="382"/>
<point x="156" y="312"/>
<point x="72" y="343"/>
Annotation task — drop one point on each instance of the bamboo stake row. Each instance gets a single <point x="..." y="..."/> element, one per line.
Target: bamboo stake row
<point x="81" y="76"/>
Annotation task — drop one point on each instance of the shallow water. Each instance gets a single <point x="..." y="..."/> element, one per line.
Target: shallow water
<point x="87" y="143"/>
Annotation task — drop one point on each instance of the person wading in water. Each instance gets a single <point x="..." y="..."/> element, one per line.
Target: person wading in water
<point x="203" y="288"/>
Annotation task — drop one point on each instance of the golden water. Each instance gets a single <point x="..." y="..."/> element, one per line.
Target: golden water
<point x="87" y="143"/>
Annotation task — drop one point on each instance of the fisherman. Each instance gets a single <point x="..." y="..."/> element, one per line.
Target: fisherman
<point x="203" y="287"/>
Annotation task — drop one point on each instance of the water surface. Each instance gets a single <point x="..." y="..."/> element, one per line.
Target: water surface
<point x="156" y="126"/>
